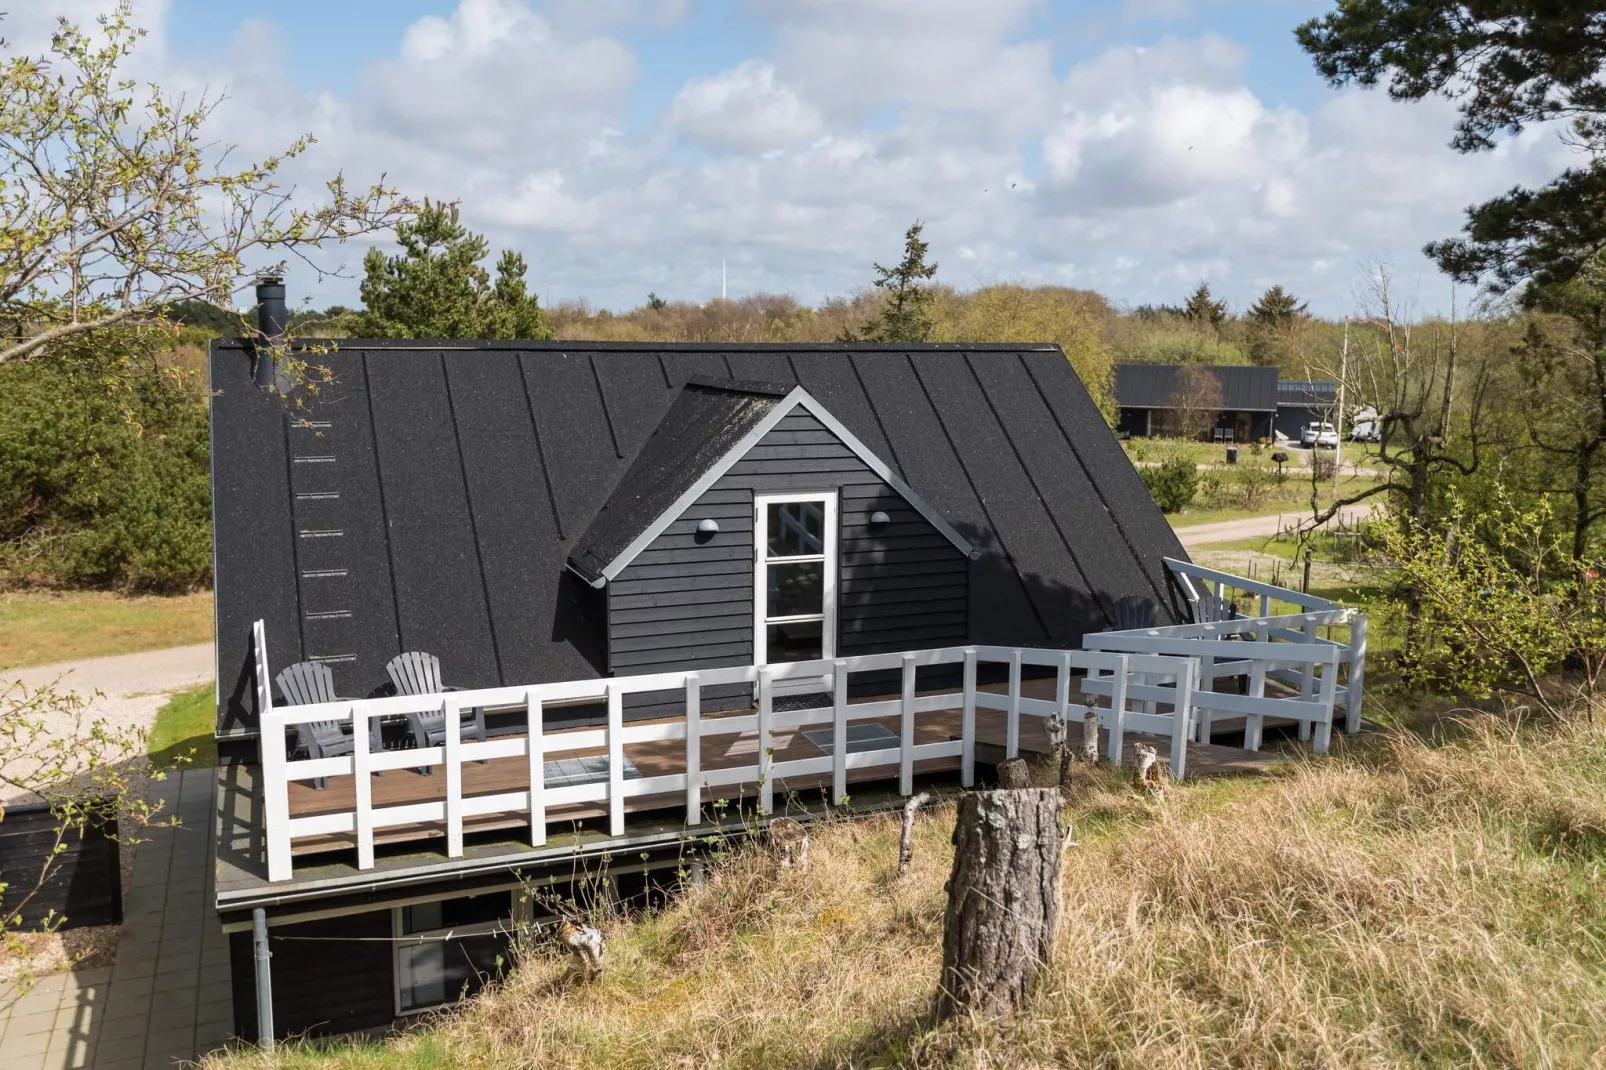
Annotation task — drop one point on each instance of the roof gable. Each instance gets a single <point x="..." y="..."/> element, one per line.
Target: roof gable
<point x="709" y="427"/>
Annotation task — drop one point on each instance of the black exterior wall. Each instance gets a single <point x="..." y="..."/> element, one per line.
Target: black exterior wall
<point x="687" y="600"/>
<point x="330" y="977"/>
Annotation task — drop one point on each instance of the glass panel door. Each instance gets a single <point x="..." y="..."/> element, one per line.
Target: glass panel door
<point x="794" y="585"/>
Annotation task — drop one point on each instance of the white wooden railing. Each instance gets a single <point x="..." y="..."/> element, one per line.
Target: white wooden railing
<point x="1286" y="649"/>
<point x="1115" y="673"/>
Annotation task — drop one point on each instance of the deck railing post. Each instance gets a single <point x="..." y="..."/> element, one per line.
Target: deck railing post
<point x="694" y="749"/>
<point x="535" y="725"/>
<point x="1118" y="707"/>
<point x="1307" y="682"/>
<point x="1357" y="675"/>
<point x="967" y="722"/>
<point x="452" y="726"/>
<point x="839" y="732"/>
<point x="1179" y="728"/>
<point x="766" y="703"/>
<point x="1207" y="682"/>
<point x="275" y="796"/>
<point x="1323" y="735"/>
<point x="1012" y="725"/>
<point x="1254" y="723"/>
<point x="906" y="730"/>
<point x="616" y="761"/>
<point x="362" y="793"/>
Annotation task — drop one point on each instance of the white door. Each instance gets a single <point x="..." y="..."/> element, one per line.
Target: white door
<point x="794" y="580"/>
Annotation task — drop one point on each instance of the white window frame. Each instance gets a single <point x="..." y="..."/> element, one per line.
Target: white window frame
<point x="761" y="563"/>
<point x="521" y="914"/>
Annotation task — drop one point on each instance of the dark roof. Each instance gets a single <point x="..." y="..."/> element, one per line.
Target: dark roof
<point x="430" y="498"/>
<point x="1310" y="393"/>
<point x="706" y="419"/>
<point x="1151" y="386"/>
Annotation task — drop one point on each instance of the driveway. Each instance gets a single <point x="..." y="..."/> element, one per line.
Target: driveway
<point x="124" y="690"/>
<point x="1258" y="527"/>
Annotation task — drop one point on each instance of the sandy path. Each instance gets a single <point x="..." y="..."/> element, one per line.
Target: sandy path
<point x="131" y="687"/>
<point x="1256" y="527"/>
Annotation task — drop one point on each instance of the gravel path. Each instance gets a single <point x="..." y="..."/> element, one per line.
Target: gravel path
<point x="131" y="687"/>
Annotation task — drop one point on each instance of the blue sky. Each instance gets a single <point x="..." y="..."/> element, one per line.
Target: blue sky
<point x="623" y="146"/>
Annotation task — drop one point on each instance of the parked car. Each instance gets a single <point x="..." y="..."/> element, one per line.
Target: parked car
<point x="1319" y="433"/>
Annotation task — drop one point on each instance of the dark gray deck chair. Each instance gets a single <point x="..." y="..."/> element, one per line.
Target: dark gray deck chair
<point x="303" y="684"/>
<point x="418" y="673"/>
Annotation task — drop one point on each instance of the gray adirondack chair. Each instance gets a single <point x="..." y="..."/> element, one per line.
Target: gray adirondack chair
<point x="418" y="673"/>
<point x="303" y="684"/>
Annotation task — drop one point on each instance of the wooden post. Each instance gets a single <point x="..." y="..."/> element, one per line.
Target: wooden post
<point x="839" y="732"/>
<point x="1003" y="900"/>
<point x="535" y="751"/>
<point x="1357" y="675"/>
<point x="452" y="719"/>
<point x="694" y="749"/>
<point x="906" y="730"/>
<point x="362" y="786"/>
<point x="616" y="761"/>
<point x="766" y="758"/>
<point x="967" y="723"/>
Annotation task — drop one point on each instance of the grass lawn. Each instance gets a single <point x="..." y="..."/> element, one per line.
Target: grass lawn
<point x="46" y="626"/>
<point x="184" y="728"/>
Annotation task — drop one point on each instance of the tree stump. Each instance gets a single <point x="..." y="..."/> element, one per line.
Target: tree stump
<point x="1013" y="773"/>
<point x="1003" y="900"/>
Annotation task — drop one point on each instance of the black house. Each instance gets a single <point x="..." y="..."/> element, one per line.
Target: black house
<point x="532" y="512"/>
<point x="1147" y="397"/>
<point x="576" y="516"/>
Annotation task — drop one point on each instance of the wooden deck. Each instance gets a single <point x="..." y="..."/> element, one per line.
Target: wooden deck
<point x="718" y="751"/>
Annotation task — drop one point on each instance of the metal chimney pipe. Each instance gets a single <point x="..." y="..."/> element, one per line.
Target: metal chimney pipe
<point x="272" y="318"/>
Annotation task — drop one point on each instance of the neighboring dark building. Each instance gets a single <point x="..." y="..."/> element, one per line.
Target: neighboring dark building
<point x="1301" y="402"/>
<point x="1146" y="395"/>
<point x="537" y="512"/>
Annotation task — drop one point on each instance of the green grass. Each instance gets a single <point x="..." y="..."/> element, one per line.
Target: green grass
<point x="1427" y="898"/>
<point x="184" y="729"/>
<point x="47" y="626"/>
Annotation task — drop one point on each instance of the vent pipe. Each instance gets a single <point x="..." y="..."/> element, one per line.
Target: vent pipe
<point x="272" y="317"/>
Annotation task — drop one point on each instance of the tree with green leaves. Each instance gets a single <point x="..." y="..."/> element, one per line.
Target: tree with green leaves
<point x="1507" y="64"/>
<point x="115" y="205"/>
<point x="1276" y="307"/>
<point x="436" y="288"/>
<point x="1204" y="310"/>
<point x="905" y="314"/>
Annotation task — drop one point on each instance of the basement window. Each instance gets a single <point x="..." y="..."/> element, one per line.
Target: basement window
<point x="447" y="949"/>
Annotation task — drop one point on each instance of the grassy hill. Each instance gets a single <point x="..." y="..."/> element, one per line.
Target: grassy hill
<point x="1429" y="898"/>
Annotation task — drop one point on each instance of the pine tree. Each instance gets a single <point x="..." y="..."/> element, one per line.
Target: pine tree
<point x="906" y="304"/>
<point x="1276" y="307"/>
<point x="1204" y="310"/>
<point x="436" y="287"/>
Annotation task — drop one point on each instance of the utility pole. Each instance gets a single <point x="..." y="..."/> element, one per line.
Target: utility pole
<point x="1338" y="421"/>
<point x="722" y="278"/>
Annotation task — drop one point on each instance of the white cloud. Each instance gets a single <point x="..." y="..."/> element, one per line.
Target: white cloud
<point x="745" y="108"/>
<point x="1136" y="172"/>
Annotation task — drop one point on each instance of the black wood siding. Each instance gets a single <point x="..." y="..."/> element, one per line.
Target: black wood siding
<point x="321" y="987"/>
<point x="688" y="603"/>
<point x="84" y="885"/>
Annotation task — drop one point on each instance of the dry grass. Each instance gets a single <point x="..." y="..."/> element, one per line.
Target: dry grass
<point x="1411" y="903"/>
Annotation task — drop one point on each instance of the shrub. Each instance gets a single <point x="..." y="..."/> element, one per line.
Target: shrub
<point x="102" y="482"/>
<point x="1172" y="484"/>
<point x="1252" y="482"/>
<point x="1500" y="606"/>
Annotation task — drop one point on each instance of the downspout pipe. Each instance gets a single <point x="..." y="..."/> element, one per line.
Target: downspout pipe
<point x="273" y="316"/>
<point x="259" y="943"/>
